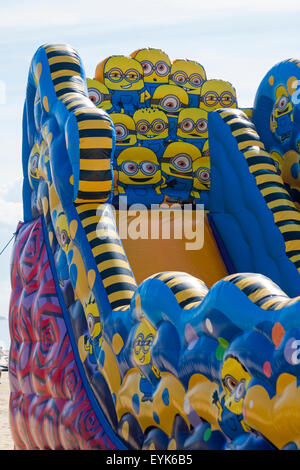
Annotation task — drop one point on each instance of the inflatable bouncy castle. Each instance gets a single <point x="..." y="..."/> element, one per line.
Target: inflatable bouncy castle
<point x="121" y="340"/>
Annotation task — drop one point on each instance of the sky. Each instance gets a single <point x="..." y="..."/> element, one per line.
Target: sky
<point x="237" y="41"/>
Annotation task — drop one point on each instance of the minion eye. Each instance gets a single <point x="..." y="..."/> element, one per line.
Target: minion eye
<point x="283" y="102"/>
<point x="162" y="69"/>
<point x="132" y="75"/>
<point x="34" y="162"/>
<point x="182" y="162"/>
<point x="187" y="125"/>
<point x="90" y="323"/>
<point x="210" y="98"/>
<point x="121" y="131"/>
<point x="240" y="391"/>
<point x="115" y="75"/>
<point x="142" y="127"/>
<point x="147" y="67"/>
<point x="230" y="383"/>
<point x="227" y="99"/>
<point x="170" y="102"/>
<point x="204" y="175"/>
<point x="159" y="126"/>
<point x="180" y="78"/>
<point x="130" y="168"/>
<point x="196" y="79"/>
<point x="202" y="125"/>
<point x="95" y="96"/>
<point x="148" y="168"/>
<point x="64" y="237"/>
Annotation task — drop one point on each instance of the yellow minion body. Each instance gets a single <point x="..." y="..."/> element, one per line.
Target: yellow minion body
<point x="138" y="166"/>
<point x="178" y="159"/>
<point x="188" y="74"/>
<point x="155" y="63"/>
<point x="216" y="94"/>
<point x="192" y="123"/>
<point x="170" y="99"/>
<point x="151" y="123"/>
<point x="124" y="129"/>
<point x="99" y="94"/>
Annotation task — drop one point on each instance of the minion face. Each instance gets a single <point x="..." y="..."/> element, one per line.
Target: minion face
<point x="177" y="160"/>
<point x="138" y="166"/>
<point x="281" y="121"/>
<point x="62" y="231"/>
<point x="155" y="63"/>
<point x="192" y="124"/>
<point x="278" y="160"/>
<point x="235" y="381"/>
<point x="188" y="74"/>
<point x="93" y="318"/>
<point x="123" y="73"/>
<point x="170" y="98"/>
<point x="151" y="123"/>
<point x="142" y="343"/>
<point x="33" y="164"/>
<point x="37" y="109"/>
<point x="201" y="173"/>
<point x="99" y="94"/>
<point x="124" y="129"/>
<point x="216" y="94"/>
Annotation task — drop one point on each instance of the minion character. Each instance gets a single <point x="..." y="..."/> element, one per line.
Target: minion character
<point x="278" y="160"/>
<point x="190" y="75"/>
<point x="99" y="94"/>
<point x="192" y="126"/>
<point x="125" y="132"/>
<point x="152" y="129"/>
<point x="290" y="173"/>
<point x="281" y="120"/>
<point x="171" y="99"/>
<point x="216" y="94"/>
<point x="63" y="238"/>
<point x="93" y="341"/>
<point x="177" y="169"/>
<point x="156" y="67"/>
<point x="33" y="165"/>
<point x="230" y="400"/>
<point x="141" y="351"/>
<point x="139" y="176"/>
<point x="123" y="76"/>
<point x="37" y="109"/>
<point x="201" y="180"/>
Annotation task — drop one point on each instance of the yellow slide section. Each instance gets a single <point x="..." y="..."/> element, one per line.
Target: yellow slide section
<point x="166" y="250"/>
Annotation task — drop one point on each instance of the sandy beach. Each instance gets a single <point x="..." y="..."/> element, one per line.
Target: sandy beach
<point x="6" y="442"/>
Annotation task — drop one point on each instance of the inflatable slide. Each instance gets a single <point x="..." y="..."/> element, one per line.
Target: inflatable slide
<point x="155" y="277"/>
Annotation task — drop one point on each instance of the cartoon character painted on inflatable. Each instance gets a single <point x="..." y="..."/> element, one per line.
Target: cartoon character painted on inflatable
<point x="281" y="120"/>
<point x="125" y="132"/>
<point x="142" y="343"/>
<point x="201" y="180"/>
<point x="152" y="129"/>
<point x="99" y="94"/>
<point x="235" y="381"/>
<point x="190" y="75"/>
<point x="123" y="76"/>
<point x="216" y="94"/>
<point x="93" y="341"/>
<point x="156" y="67"/>
<point x="192" y="126"/>
<point x="171" y="99"/>
<point x="139" y="176"/>
<point x="177" y="169"/>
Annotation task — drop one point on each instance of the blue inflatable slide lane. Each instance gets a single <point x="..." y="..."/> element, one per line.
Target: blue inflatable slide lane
<point x="99" y="362"/>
